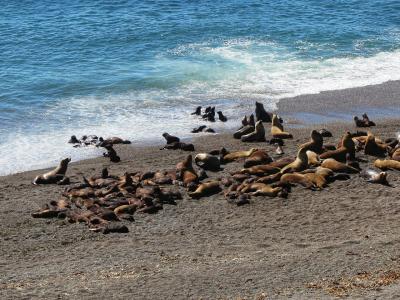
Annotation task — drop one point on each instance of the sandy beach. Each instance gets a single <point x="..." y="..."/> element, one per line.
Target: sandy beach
<point x="340" y="241"/>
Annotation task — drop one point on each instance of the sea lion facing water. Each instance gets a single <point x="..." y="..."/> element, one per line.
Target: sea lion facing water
<point x="277" y="129"/>
<point x="373" y="148"/>
<point x="258" y="135"/>
<point x="197" y="111"/>
<point x="221" y="116"/>
<point x="54" y="176"/>
<point x="261" y="114"/>
<point x="170" y="138"/>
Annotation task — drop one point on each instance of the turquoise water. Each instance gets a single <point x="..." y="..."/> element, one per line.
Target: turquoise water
<point x="135" y="68"/>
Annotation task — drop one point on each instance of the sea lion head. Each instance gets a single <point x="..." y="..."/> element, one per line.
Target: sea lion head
<point x="66" y="161"/>
<point x="316" y="136"/>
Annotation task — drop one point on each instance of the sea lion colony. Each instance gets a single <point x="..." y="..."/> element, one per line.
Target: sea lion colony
<point x="103" y="201"/>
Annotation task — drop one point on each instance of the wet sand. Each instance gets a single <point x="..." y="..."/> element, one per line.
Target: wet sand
<point x="343" y="240"/>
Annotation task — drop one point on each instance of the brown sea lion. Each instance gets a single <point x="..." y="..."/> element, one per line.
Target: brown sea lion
<point x="261" y="114"/>
<point x="300" y="163"/>
<point x="260" y="170"/>
<point x="315" y="144"/>
<point x="373" y="148"/>
<point x="261" y="189"/>
<point x="206" y="189"/>
<point x="337" y="166"/>
<point x="259" y="157"/>
<point x="258" y="135"/>
<point x="185" y="171"/>
<point x="170" y="138"/>
<point x="237" y="155"/>
<point x="55" y="175"/>
<point x="313" y="158"/>
<point x="347" y="146"/>
<point x="367" y="120"/>
<point x="296" y="178"/>
<point x="374" y="176"/>
<point x="277" y="129"/>
<point x="207" y="161"/>
<point x="396" y="154"/>
<point x="387" y="164"/>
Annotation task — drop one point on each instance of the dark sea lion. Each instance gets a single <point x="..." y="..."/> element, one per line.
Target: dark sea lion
<point x="55" y="175"/>
<point x="111" y="153"/>
<point x="221" y="116"/>
<point x="325" y="133"/>
<point x="73" y="140"/>
<point x="373" y="148"/>
<point x="367" y="120"/>
<point x="261" y="114"/>
<point x="277" y="129"/>
<point x="179" y="145"/>
<point x="198" y="129"/>
<point x="170" y="138"/>
<point x="197" y="111"/>
<point x="385" y="164"/>
<point x="258" y="135"/>
<point x="352" y="162"/>
<point x="280" y="163"/>
<point x="210" y="130"/>
<point x="259" y="157"/>
<point x="243" y="131"/>
<point x="206" y="189"/>
<point x="374" y="176"/>
<point x="207" y="161"/>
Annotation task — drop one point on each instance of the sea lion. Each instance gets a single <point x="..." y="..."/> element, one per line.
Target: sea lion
<point x="260" y="170"/>
<point x="238" y="154"/>
<point x="197" y="111"/>
<point x="179" y="145"/>
<point x="261" y="114"/>
<point x="206" y="189"/>
<point x="325" y="133"/>
<point x="251" y="120"/>
<point x="367" y="120"/>
<point x="261" y="189"/>
<point x="221" y="116"/>
<point x="209" y="130"/>
<point x="55" y="175"/>
<point x="347" y="146"/>
<point x="243" y="131"/>
<point x="207" y="161"/>
<point x="296" y="178"/>
<point x="387" y="164"/>
<point x="185" y="171"/>
<point x="170" y="138"/>
<point x="73" y="140"/>
<point x="258" y="135"/>
<point x="278" y="141"/>
<point x="373" y="148"/>
<point x="113" y="141"/>
<point x="198" y="129"/>
<point x="270" y="178"/>
<point x="313" y="159"/>
<point x="315" y="144"/>
<point x="337" y="166"/>
<point x="300" y="163"/>
<point x="282" y="162"/>
<point x="374" y="176"/>
<point x="320" y="177"/>
<point x="396" y="154"/>
<point x="277" y="129"/>
<point x="111" y="153"/>
<point x="259" y="157"/>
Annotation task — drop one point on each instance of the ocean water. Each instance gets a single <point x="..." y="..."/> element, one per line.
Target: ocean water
<point x="137" y="68"/>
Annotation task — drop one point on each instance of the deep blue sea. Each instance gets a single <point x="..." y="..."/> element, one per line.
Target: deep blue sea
<point x="137" y="68"/>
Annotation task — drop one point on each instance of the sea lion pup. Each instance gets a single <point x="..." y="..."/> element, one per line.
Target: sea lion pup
<point x="261" y="114"/>
<point x="243" y="131"/>
<point x="209" y="130"/>
<point x="387" y="164"/>
<point x="373" y="148"/>
<point x="179" y="145"/>
<point x="197" y="111"/>
<point x="113" y="141"/>
<point x="337" y="166"/>
<point x="374" y="176"/>
<point x="206" y="189"/>
<point x="170" y="138"/>
<point x="54" y="176"/>
<point x="300" y="163"/>
<point x="261" y="189"/>
<point x="313" y="159"/>
<point x="221" y="116"/>
<point x="352" y="163"/>
<point x="367" y="120"/>
<point x="347" y="146"/>
<point x="279" y="150"/>
<point x="207" y="162"/>
<point x="316" y="143"/>
<point x="185" y="171"/>
<point x="320" y="177"/>
<point x="325" y="133"/>
<point x="259" y="157"/>
<point x="198" y="129"/>
<point x="238" y="154"/>
<point x="359" y="122"/>
<point x="275" y="141"/>
<point x="277" y="129"/>
<point x="258" y="135"/>
<point x="73" y="140"/>
<point x="296" y="178"/>
<point x="111" y="153"/>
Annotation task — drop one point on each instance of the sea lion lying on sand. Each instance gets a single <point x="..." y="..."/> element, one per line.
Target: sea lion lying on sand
<point x="206" y="189"/>
<point x="111" y="153"/>
<point x="374" y="176"/>
<point x="385" y="164"/>
<point x="55" y="176"/>
<point x="207" y="161"/>
<point x="180" y="146"/>
<point x="237" y="155"/>
<point x="258" y="157"/>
